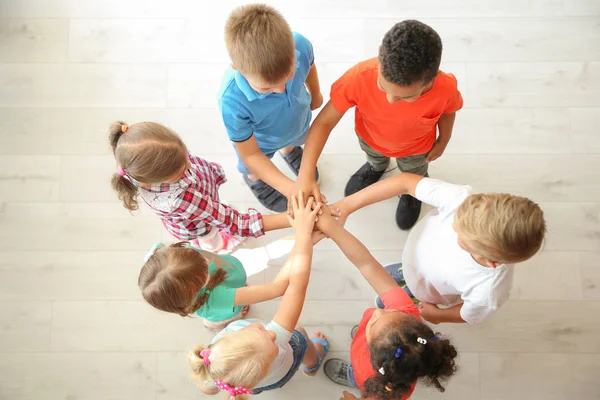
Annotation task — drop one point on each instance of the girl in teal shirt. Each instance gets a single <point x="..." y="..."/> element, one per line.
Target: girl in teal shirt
<point x="186" y="280"/>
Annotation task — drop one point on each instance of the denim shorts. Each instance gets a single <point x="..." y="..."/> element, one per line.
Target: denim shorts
<point x="299" y="141"/>
<point x="350" y="376"/>
<point x="299" y="346"/>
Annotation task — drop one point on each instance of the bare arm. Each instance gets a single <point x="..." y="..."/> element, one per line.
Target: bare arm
<point x="273" y="222"/>
<point x="403" y="183"/>
<point x="445" y="124"/>
<point x="262" y="167"/>
<point x="436" y="315"/>
<point x="290" y="308"/>
<point x="357" y="253"/>
<point x="312" y="84"/>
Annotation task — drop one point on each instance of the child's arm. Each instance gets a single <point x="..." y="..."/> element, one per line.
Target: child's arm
<point x="357" y="253"/>
<point x="268" y="291"/>
<point x="312" y="84"/>
<point x="262" y="167"/>
<point x="435" y="315"/>
<point x="290" y="308"/>
<point x="273" y="222"/>
<point x="445" y="125"/>
<point x="315" y="141"/>
<point x="404" y="183"/>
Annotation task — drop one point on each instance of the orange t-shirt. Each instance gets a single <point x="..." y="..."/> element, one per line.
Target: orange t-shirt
<point x="360" y="354"/>
<point x="400" y="129"/>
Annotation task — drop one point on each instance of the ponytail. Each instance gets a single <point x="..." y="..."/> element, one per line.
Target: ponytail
<point x="145" y="152"/>
<point x="406" y="352"/>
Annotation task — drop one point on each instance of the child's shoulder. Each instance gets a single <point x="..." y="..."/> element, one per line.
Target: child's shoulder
<point x="446" y="80"/>
<point x="229" y="88"/>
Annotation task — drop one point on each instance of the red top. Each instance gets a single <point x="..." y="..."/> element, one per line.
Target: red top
<point x="400" y="129"/>
<point x="360" y="354"/>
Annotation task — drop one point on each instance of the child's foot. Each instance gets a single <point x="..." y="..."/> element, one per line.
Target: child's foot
<point x="267" y="196"/>
<point x="322" y="347"/>
<point x="365" y="176"/>
<point x="337" y="371"/>
<point x="294" y="158"/>
<point x="407" y="212"/>
<point x="230" y="243"/>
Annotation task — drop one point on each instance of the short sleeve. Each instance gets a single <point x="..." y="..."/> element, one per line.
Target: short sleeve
<point x="237" y="122"/>
<point x="305" y="48"/>
<point x="283" y="335"/>
<point x="220" y="301"/>
<point x="344" y="91"/>
<point x="474" y="313"/>
<point x="446" y="197"/>
<point x="397" y="299"/>
<point x="455" y="100"/>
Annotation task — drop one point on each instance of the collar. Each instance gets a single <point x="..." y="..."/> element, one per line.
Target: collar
<point x="188" y="179"/>
<point x="252" y="94"/>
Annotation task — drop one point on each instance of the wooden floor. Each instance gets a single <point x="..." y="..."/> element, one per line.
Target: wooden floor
<point x="73" y="325"/>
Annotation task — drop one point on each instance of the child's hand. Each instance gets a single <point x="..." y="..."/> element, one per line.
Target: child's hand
<point x="340" y="212"/>
<point x="305" y="214"/>
<point x="436" y="152"/>
<point x="428" y="312"/>
<point x="326" y="220"/>
<point x="347" y="396"/>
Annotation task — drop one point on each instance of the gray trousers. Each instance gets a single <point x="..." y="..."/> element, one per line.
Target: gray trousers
<point x="413" y="164"/>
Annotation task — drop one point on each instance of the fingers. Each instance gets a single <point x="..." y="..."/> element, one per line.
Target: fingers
<point x="295" y="205"/>
<point x="317" y="209"/>
<point x="301" y="203"/>
<point x="290" y="219"/>
<point x="323" y="198"/>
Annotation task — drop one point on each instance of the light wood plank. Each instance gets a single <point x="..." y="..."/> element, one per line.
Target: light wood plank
<point x="30" y="179"/>
<point x="34" y="40"/>
<point x="76" y="85"/>
<point x="84" y="376"/>
<point x="533" y="84"/>
<point x="506" y="376"/>
<point x="590" y="272"/>
<point x="25" y="326"/>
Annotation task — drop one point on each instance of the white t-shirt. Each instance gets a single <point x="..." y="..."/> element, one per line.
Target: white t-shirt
<point x="437" y="270"/>
<point x="285" y="356"/>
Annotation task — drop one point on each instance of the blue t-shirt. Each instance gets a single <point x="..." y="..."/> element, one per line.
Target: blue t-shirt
<point x="275" y="119"/>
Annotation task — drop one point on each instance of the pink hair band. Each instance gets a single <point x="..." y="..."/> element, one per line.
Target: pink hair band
<point x="122" y="172"/>
<point x="204" y="354"/>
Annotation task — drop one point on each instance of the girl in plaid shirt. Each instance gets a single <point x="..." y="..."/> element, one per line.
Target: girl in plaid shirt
<point x="183" y="190"/>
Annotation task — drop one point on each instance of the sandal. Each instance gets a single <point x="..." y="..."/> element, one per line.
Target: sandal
<point x="312" y="371"/>
<point x="267" y="196"/>
<point x="230" y="243"/>
<point x="294" y="159"/>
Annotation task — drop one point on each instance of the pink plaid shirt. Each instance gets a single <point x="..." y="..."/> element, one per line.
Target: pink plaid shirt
<point x="190" y="208"/>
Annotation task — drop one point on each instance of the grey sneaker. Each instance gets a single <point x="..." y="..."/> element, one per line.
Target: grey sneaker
<point x="337" y="371"/>
<point x="353" y="331"/>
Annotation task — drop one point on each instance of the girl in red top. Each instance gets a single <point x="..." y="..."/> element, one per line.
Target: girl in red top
<point x="391" y="347"/>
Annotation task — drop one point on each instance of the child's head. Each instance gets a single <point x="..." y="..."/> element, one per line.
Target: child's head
<point x="403" y="350"/>
<point x="261" y="47"/>
<point x="148" y="153"/>
<point x="238" y="359"/>
<point x="409" y="59"/>
<point x="175" y="278"/>
<point x="500" y="228"/>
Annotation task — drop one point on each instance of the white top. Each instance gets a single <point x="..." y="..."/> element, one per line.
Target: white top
<point x="285" y="356"/>
<point x="437" y="270"/>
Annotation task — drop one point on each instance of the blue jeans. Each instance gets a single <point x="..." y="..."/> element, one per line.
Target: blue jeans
<point x="299" y="347"/>
<point x="350" y="376"/>
<point x="299" y="141"/>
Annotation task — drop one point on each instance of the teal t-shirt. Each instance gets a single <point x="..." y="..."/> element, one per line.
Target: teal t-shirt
<point x="220" y="303"/>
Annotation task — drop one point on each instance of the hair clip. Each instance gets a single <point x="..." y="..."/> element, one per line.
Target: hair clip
<point x="399" y="352"/>
<point x="389" y="389"/>
<point x="233" y="391"/>
<point x="121" y="172"/>
<point x="436" y="337"/>
<point x="156" y="246"/>
<point x="124" y="128"/>
<point x="204" y="354"/>
<point x="422" y="341"/>
<point x="381" y="371"/>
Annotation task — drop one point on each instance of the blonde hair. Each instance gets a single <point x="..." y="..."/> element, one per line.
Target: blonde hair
<point x="501" y="227"/>
<point x="147" y="152"/>
<point x="235" y="358"/>
<point x="173" y="276"/>
<point x="260" y="42"/>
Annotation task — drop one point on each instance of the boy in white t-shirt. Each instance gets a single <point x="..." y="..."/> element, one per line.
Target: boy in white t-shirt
<point x="461" y="255"/>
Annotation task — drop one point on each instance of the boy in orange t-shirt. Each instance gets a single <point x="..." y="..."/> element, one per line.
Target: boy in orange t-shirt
<point x="405" y="108"/>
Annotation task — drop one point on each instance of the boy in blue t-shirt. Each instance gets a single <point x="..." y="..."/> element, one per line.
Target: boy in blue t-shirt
<point x="264" y="100"/>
